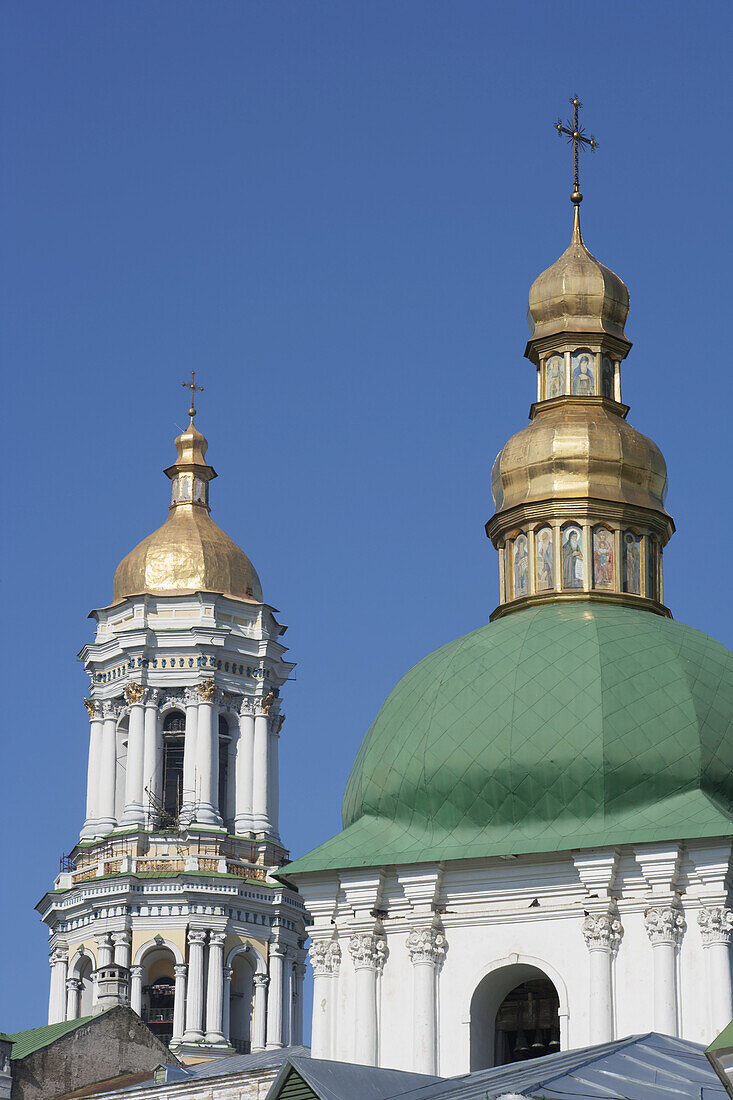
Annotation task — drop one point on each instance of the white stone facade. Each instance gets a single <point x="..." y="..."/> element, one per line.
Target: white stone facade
<point x="412" y="963"/>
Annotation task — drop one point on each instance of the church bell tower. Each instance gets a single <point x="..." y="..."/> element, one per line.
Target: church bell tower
<point x="169" y="883"/>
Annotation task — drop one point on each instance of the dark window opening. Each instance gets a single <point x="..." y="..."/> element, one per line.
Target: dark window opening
<point x="223" y="764"/>
<point x="173" y="747"/>
<point x="528" y="1022"/>
<point x="158" y="1014"/>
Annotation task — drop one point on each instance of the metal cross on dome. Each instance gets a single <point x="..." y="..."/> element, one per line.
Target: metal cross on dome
<point x="576" y="135"/>
<point x="193" y="388"/>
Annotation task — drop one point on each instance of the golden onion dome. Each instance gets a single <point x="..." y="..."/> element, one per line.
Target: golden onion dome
<point x="578" y="449"/>
<point x="577" y="294"/>
<point x="189" y="553"/>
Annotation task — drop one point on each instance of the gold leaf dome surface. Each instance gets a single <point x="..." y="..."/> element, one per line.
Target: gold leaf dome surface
<point x="189" y="553"/>
<point x="575" y="449"/>
<point x="577" y="294"/>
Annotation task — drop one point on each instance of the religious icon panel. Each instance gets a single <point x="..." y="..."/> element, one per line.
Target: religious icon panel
<point x="521" y="566"/>
<point x="632" y="563"/>
<point x="602" y="558"/>
<point x="554" y="377"/>
<point x="543" y="554"/>
<point x="572" y="557"/>
<point x="607" y="377"/>
<point x="583" y="373"/>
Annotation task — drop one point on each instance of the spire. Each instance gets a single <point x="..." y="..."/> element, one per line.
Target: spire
<point x="190" y="473"/>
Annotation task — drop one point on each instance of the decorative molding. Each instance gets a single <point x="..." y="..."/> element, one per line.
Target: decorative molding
<point x="426" y="944"/>
<point x="664" y="924"/>
<point x="207" y="691"/>
<point x="602" y="931"/>
<point x="716" y="926"/>
<point x="368" y="949"/>
<point x="134" y="693"/>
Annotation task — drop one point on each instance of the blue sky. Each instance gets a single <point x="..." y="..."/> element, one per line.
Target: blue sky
<point x="333" y="213"/>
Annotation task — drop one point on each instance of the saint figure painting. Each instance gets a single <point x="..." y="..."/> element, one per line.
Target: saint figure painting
<point x="602" y="558"/>
<point x="572" y="558"/>
<point x="607" y="377"/>
<point x="583" y="374"/>
<point x="554" y="377"/>
<point x="543" y="544"/>
<point x="521" y="565"/>
<point x="632" y="563"/>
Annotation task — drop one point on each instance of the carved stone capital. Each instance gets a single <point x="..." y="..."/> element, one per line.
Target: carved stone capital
<point x="124" y="937"/>
<point x="266" y="702"/>
<point x="426" y="945"/>
<point x="74" y="983"/>
<point x="716" y="926"/>
<point x="92" y="707"/>
<point x="602" y="931"/>
<point x="196" y="935"/>
<point x="59" y="955"/>
<point x="190" y="697"/>
<point x="368" y="949"/>
<point x="134" y="693"/>
<point x="261" y="979"/>
<point x="664" y="924"/>
<point x="325" y="956"/>
<point x="246" y="707"/>
<point x="207" y="691"/>
<point x="180" y="969"/>
<point x="216" y="939"/>
<point x="110" y="708"/>
<point x="136" y="972"/>
<point x="152" y="698"/>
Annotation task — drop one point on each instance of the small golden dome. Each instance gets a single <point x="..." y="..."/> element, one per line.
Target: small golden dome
<point x="189" y="553"/>
<point x="577" y="294"/>
<point x="579" y="449"/>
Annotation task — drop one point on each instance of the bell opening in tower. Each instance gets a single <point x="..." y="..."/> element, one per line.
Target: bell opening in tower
<point x="173" y="747"/>
<point x="527" y="1023"/>
<point x="158" y="1013"/>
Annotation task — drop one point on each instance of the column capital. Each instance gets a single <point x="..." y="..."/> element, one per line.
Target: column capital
<point x="665" y="924"/>
<point x="190" y="697"/>
<point x="74" y="983"/>
<point x="261" y="979"/>
<point x="279" y="949"/>
<point x="325" y="956"/>
<point x="196" y="935"/>
<point x="246" y="707"/>
<point x="134" y="693"/>
<point x="179" y="970"/>
<point x="602" y="931"/>
<point x="124" y="937"/>
<point x="265" y="703"/>
<point x="58" y="955"/>
<point x="216" y="939"/>
<point x="716" y="926"/>
<point x="207" y="691"/>
<point x="136" y="971"/>
<point x="152" y="697"/>
<point x="110" y="708"/>
<point x="94" y="709"/>
<point x="368" y="949"/>
<point x="102" y="939"/>
<point x="426" y="945"/>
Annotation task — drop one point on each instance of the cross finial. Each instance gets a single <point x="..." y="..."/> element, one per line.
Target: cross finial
<point x="576" y="135"/>
<point x="193" y="388"/>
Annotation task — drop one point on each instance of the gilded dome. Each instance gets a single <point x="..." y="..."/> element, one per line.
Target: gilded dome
<point x="557" y="727"/>
<point x="579" y="448"/>
<point x="189" y="553"/>
<point x="577" y="294"/>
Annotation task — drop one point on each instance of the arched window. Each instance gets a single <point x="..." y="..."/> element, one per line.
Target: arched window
<point x="223" y="764"/>
<point x="158" y="1009"/>
<point x="174" y="726"/>
<point x="515" y="1014"/>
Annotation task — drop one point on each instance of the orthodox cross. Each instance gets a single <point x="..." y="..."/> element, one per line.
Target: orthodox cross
<point x="193" y="388"/>
<point x="576" y="135"/>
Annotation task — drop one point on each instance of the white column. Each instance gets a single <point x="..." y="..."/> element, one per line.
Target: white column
<point x="136" y="989"/>
<point x="73" y="998"/>
<point x="273" y="801"/>
<point x="275" y="998"/>
<point x="153" y="754"/>
<point x="105" y="951"/>
<point x="426" y="948"/>
<point x="207" y="757"/>
<point x="190" y="795"/>
<point x="716" y="928"/>
<point x="121" y="946"/>
<point x="215" y="988"/>
<point x="665" y="925"/>
<point x="287" y="1034"/>
<point x="259" y="1013"/>
<point x="320" y="958"/>
<point x="179" y="1001"/>
<point x="243" y="786"/>
<point x="261" y="771"/>
<point x="195" y="993"/>
<point x="226" y="1025"/>
<point x="57" y="997"/>
<point x="602" y="933"/>
<point x="296" y="1037"/>
<point x="107" y="769"/>
<point x="134" y="812"/>
<point x="368" y="951"/>
<point x="95" y="753"/>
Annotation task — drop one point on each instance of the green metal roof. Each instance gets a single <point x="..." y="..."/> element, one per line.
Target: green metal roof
<point x="725" y="1040"/>
<point x="26" y="1042"/>
<point x="557" y="727"/>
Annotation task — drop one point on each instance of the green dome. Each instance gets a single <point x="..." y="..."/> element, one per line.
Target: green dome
<point x="557" y="727"/>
